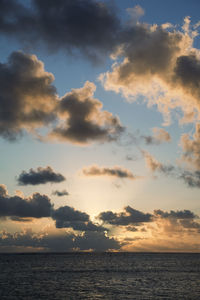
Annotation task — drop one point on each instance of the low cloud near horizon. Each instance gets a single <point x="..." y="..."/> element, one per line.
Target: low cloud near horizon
<point x="86" y="235"/>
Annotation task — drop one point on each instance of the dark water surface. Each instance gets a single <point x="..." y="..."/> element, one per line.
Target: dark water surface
<point x="100" y="276"/>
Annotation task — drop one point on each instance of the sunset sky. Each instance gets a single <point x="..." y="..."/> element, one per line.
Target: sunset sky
<point x="99" y="125"/>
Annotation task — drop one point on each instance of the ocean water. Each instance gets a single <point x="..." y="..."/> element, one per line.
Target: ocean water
<point x="100" y="276"/>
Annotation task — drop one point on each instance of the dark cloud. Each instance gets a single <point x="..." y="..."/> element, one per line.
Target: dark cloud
<point x="187" y="72"/>
<point x="192" y="179"/>
<point x="61" y="242"/>
<point x="40" y="176"/>
<point x="88" y="26"/>
<point x="116" y="171"/>
<point x="127" y="217"/>
<point x="60" y="193"/>
<point x="179" y="214"/>
<point x="28" y="101"/>
<point x="39" y="206"/>
<point x="97" y="241"/>
<point x="179" y="221"/>
<point x="68" y="217"/>
<point x="190" y="224"/>
<point x="83" y="119"/>
<point x="35" y="206"/>
<point x="27" y="98"/>
<point x="15" y="18"/>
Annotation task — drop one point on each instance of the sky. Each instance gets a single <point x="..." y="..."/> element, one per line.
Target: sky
<point x="99" y="125"/>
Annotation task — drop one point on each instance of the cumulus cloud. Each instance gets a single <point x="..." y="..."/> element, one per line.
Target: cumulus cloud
<point x="89" y="27"/>
<point x="159" y="64"/>
<point x="60" y="193"/>
<point x="35" y="206"/>
<point x="127" y="217"/>
<point x="28" y="101"/>
<point x="115" y="171"/>
<point x="68" y="217"/>
<point x="83" y="118"/>
<point x="40" y="176"/>
<point x="159" y="136"/>
<point x="40" y="206"/>
<point x="27" y="97"/>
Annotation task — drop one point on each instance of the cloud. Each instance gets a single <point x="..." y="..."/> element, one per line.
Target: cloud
<point x="192" y="179"/>
<point x="97" y="241"/>
<point x="83" y="118"/>
<point x="159" y="136"/>
<point x="179" y="214"/>
<point x="180" y="222"/>
<point x="115" y="171"/>
<point x="68" y="217"/>
<point x="160" y="65"/>
<point x="50" y="242"/>
<point x="157" y="231"/>
<point x="155" y="165"/>
<point x="191" y="148"/>
<point x="88" y="27"/>
<point x="40" y="176"/>
<point x="127" y="217"/>
<point x="40" y="206"/>
<point x="60" y="193"/>
<point x="28" y="98"/>
<point x="35" y="206"/>
<point x="28" y="101"/>
<point x="135" y="13"/>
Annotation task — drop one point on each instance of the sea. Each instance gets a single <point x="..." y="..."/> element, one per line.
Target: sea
<point x="100" y="276"/>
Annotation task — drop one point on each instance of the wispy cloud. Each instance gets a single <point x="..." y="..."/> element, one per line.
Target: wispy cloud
<point x="116" y="171"/>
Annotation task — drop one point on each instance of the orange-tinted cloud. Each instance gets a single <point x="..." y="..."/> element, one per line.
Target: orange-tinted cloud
<point x="159" y="64"/>
<point x="115" y="171"/>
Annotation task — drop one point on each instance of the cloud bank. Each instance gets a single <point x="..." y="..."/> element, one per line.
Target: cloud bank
<point x="61" y="242"/>
<point x="74" y="229"/>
